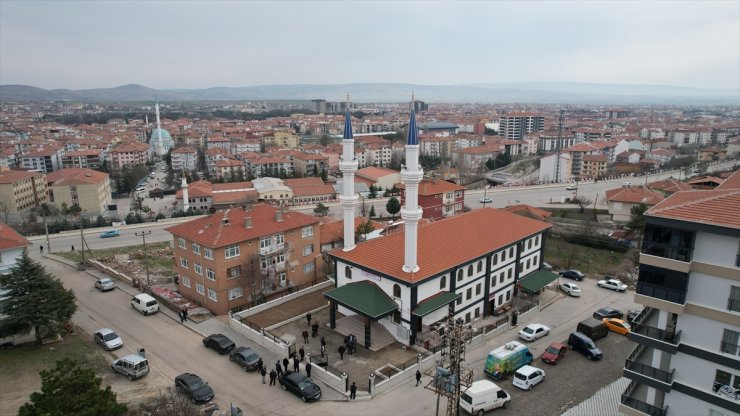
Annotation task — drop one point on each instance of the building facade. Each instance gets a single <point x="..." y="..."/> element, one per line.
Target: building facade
<point x="21" y="191"/>
<point x="87" y="188"/>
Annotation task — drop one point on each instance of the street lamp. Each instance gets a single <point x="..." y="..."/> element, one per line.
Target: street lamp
<point x="143" y="235"/>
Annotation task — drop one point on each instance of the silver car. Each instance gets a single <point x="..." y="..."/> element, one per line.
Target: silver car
<point x="105" y="284"/>
<point x="108" y="339"/>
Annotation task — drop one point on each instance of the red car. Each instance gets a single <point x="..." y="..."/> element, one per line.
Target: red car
<point x="554" y="353"/>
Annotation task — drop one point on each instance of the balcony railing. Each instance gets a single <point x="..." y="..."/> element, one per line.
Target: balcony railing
<point x="729" y="348"/>
<point x="733" y="304"/>
<point x="663" y="335"/>
<point x="633" y="364"/>
<point x="271" y="249"/>
<point x="277" y="267"/>
<point x="667" y="251"/>
<point x="661" y="292"/>
<point x="641" y="406"/>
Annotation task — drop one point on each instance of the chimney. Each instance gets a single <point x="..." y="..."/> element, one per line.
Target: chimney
<point x="279" y="215"/>
<point x="248" y="222"/>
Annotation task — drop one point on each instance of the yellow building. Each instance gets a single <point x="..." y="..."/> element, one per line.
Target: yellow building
<point x="282" y="139"/>
<point x="87" y="188"/>
<point x="21" y="190"/>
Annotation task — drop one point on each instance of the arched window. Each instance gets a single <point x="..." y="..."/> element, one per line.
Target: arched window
<point x="443" y="282"/>
<point x="470" y="270"/>
<point x="396" y="291"/>
<point x="480" y="266"/>
<point x="459" y="275"/>
<point x="347" y="272"/>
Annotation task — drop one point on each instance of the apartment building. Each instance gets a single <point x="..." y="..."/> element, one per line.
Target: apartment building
<point x="45" y="160"/>
<point x="87" y="188"/>
<point x="438" y="199"/>
<point x="687" y="358"/>
<point x="128" y="155"/>
<point x="87" y="158"/>
<point x="235" y="257"/>
<point x="184" y="158"/>
<point x="515" y="126"/>
<point x="282" y="139"/>
<point x="21" y="190"/>
<point x="309" y="164"/>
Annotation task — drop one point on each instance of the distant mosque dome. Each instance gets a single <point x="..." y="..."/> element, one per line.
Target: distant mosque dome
<point x="165" y="135"/>
<point x="167" y="141"/>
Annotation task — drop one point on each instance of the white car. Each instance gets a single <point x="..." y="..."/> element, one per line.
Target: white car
<point x="528" y="377"/>
<point x="571" y="187"/>
<point x="533" y="331"/>
<point x="108" y="339"/>
<point x="486" y="200"/>
<point x="571" y="288"/>
<point x="104" y="284"/>
<point x="612" y="284"/>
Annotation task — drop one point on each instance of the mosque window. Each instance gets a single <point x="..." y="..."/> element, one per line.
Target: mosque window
<point x="396" y="291"/>
<point x="470" y="270"/>
<point x="459" y="275"/>
<point x="443" y="282"/>
<point x="480" y="266"/>
<point x="347" y="272"/>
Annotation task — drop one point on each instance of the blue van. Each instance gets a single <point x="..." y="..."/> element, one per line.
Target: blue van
<point x="505" y="360"/>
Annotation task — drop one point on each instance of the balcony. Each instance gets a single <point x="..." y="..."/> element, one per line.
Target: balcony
<point x="633" y="401"/>
<point x="272" y="269"/>
<point x="644" y="331"/>
<point x="265" y="251"/>
<point x="661" y="292"/>
<point x="733" y="304"/>
<point x="638" y="367"/>
<point x="667" y="251"/>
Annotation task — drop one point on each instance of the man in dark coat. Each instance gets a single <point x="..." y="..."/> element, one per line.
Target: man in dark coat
<point x="285" y="363"/>
<point x="296" y="365"/>
<point x="278" y="369"/>
<point x="308" y="369"/>
<point x="353" y="391"/>
<point x="302" y="352"/>
<point x="341" y="352"/>
<point x="263" y="373"/>
<point x="418" y="378"/>
<point x="273" y="376"/>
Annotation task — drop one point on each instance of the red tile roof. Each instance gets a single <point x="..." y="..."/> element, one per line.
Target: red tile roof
<point x="212" y="231"/>
<point x="440" y="246"/>
<point x="529" y="211"/>
<point x="333" y="229"/>
<point x="375" y="173"/>
<point x="9" y="238"/>
<point x="75" y="176"/>
<point x="13" y="176"/>
<point x="733" y="182"/>
<point x="436" y="187"/>
<point x="714" y="207"/>
<point x="634" y="195"/>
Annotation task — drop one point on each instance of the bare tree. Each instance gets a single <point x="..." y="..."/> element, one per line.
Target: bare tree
<point x="169" y="403"/>
<point x="5" y="208"/>
<point x="582" y="202"/>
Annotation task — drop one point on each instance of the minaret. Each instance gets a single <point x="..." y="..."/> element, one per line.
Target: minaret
<point x="348" y="166"/>
<point x="411" y="175"/>
<point x="160" y="145"/>
<point x="185" y="198"/>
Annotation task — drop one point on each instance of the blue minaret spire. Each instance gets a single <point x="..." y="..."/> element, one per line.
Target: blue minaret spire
<point x="413" y="136"/>
<point x="347" y="122"/>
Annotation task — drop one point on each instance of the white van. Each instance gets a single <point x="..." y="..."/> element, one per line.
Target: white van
<point x="132" y="366"/>
<point x="482" y="396"/>
<point x="528" y="377"/>
<point x="145" y="304"/>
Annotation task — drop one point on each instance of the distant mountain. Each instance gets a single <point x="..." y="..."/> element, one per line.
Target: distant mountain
<point x="534" y="92"/>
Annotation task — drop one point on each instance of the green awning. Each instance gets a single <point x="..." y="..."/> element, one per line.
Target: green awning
<point x="536" y="281"/>
<point x="434" y="302"/>
<point x="365" y="298"/>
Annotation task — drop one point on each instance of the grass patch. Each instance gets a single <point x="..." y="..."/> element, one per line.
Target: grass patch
<point x="564" y="255"/>
<point x="135" y="253"/>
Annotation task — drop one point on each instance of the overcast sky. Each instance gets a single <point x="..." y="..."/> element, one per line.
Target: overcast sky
<point x="200" y="44"/>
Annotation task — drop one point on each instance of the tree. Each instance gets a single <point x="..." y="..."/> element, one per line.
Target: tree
<point x="393" y="206"/>
<point x="373" y="192"/>
<point x="491" y="164"/>
<point x="372" y="211"/>
<point x="5" y="208"/>
<point x="582" y="202"/>
<point x="637" y="218"/>
<point x="321" y="210"/>
<point x="324" y="174"/>
<point x="35" y="300"/>
<point x="503" y="159"/>
<point x="137" y="203"/>
<point x="69" y="389"/>
<point x="363" y="229"/>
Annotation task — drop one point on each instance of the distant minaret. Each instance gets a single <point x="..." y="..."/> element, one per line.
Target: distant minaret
<point x="160" y="145"/>
<point x="185" y="197"/>
<point x="348" y="166"/>
<point x="411" y="175"/>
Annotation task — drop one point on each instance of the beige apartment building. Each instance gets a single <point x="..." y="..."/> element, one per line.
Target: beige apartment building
<point x="21" y="190"/>
<point x="128" y="154"/>
<point x="282" y="139"/>
<point x="226" y="260"/>
<point x="88" y="188"/>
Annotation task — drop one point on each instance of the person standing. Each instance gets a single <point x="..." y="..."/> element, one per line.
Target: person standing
<point x="278" y="368"/>
<point x="273" y="376"/>
<point x="185" y="312"/>
<point x="302" y="352"/>
<point x="263" y="373"/>
<point x="308" y="318"/>
<point x="296" y="365"/>
<point x="341" y="352"/>
<point x="308" y="369"/>
<point x="315" y="329"/>
<point x="418" y="378"/>
<point x="323" y="349"/>
<point x="285" y="363"/>
<point x="353" y="391"/>
<point x="305" y="336"/>
<point x="41" y="248"/>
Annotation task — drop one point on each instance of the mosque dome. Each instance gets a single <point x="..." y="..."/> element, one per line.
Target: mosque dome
<point x="165" y="134"/>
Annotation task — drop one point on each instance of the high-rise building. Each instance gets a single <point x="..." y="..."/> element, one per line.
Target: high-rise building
<point x="687" y="358"/>
<point x="514" y="126"/>
<point x="319" y="105"/>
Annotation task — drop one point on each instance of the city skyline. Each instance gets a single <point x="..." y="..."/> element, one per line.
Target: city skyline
<point x="80" y="45"/>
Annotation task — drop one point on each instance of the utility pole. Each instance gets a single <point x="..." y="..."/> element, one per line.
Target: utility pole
<point x="143" y="235"/>
<point x="449" y="376"/>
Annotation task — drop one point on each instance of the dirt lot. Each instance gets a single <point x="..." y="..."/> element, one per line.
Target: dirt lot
<point x="20" y="367"/>
<point x="130" y="260"/>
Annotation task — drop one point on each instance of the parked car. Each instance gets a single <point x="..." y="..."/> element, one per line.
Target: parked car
<point x="108" y="339"/>
<point x="626" y="184"/>
<point x="482" y="396"/>
<point x="612" y="284"/>
<point x="110" y="233"/>
<point x="191" y="385"/>
<point x="132" y="366"/>
<point x="607" y="312"/>
<point x="579" y="342"/>
<point x="532" y="332"/>
<point x="105" y="284"/>
<point x="617" y="325"/>
<point x="300" y="385"/>
<point x="571" y="187"/>
<point x="246" y="358"/>
<point x="592" y="328"/>
<point x="554" y="353"/>
<point x="145" y="303"/>
<point x="632" y="314"/>
<point x="219" y="342"/>
<point x="570" y="288"/>
<point x="485" y="200"/>
<point x="528" y="377"/>
<point x="573" y="274"/>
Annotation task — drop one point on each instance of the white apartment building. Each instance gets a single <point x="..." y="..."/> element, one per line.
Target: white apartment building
<point x="687" y="359"/>
<point x="184" y="158"/>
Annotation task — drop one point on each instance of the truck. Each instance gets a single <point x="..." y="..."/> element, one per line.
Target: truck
<point x="482" y="396"/>
<point x="506" y="359"/>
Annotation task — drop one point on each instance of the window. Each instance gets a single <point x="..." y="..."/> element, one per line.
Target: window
<point x="467" y="318"/>
<point x="733" y="303"/>
<point x="477" y="289"/>
<point x="234" y="272"/>
<point x="186" y="281"/>
<point x="480" y="266"/>
<point x="501" y="299"/>
<point x="501" y="278"/>
<point x="477" y="313"/>
<point x="511" y="252"/>
<point x="730" y="342"/>
<point x="458" y="302"/>
<point x="308" y="268"/>
<point x="459" y="275"/>
<point x="528" y="263"/>
<point x="347" y="272"/>
<point x="212" y="295"/>
<point x="503" y="255"/>
<point x="470" y="270"/>
<point x="231" y="251"/>
<point x="493" y="281"/>
<point x="725" y="381"/>
<point x="469" y="293"/>
<point x="307" y="231"/>
<point x="200" y="288"/>
<point x="308" y="250"/>
<point x="208" y="253"/>
<point x="396" y="291"/>
<point x="184" y="262"/>
<point x="508" y="295"/>
<point x="210" y="274"/>
<point x="265" y="242"/>
<point x="236" y="292"/>
<point x="529" y="244"/>
<point x="283" y="279"/>
<point x="181" y="242"/>
<point x="508" y="274"/>
<point x="495" y="259"/>
<point x="198" y="269"/>
<point x="196" y="248"/>
<point x="443" y="282"/>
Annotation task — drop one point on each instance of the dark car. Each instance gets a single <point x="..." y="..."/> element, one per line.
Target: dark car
<point x="554" y="353"/>
<point x="580" y="342"/>
<point x="607" y="312"/>
<point x="246" y="358"/>
<point x="573" y="274"/>
<point x="194" y="386"/>
<point x="300" y="385"/>
<point x="219" y="342"/>
<point x="632" y="314"/>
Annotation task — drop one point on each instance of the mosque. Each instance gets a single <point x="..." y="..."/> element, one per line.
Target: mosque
<point x="160" y="141"/>
<point x="469" y="265"/>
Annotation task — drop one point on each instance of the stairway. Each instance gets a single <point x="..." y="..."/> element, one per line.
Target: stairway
<point x="355" y="324"/>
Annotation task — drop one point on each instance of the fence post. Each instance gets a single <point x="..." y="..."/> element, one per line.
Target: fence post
<point x="371" y="385"/>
